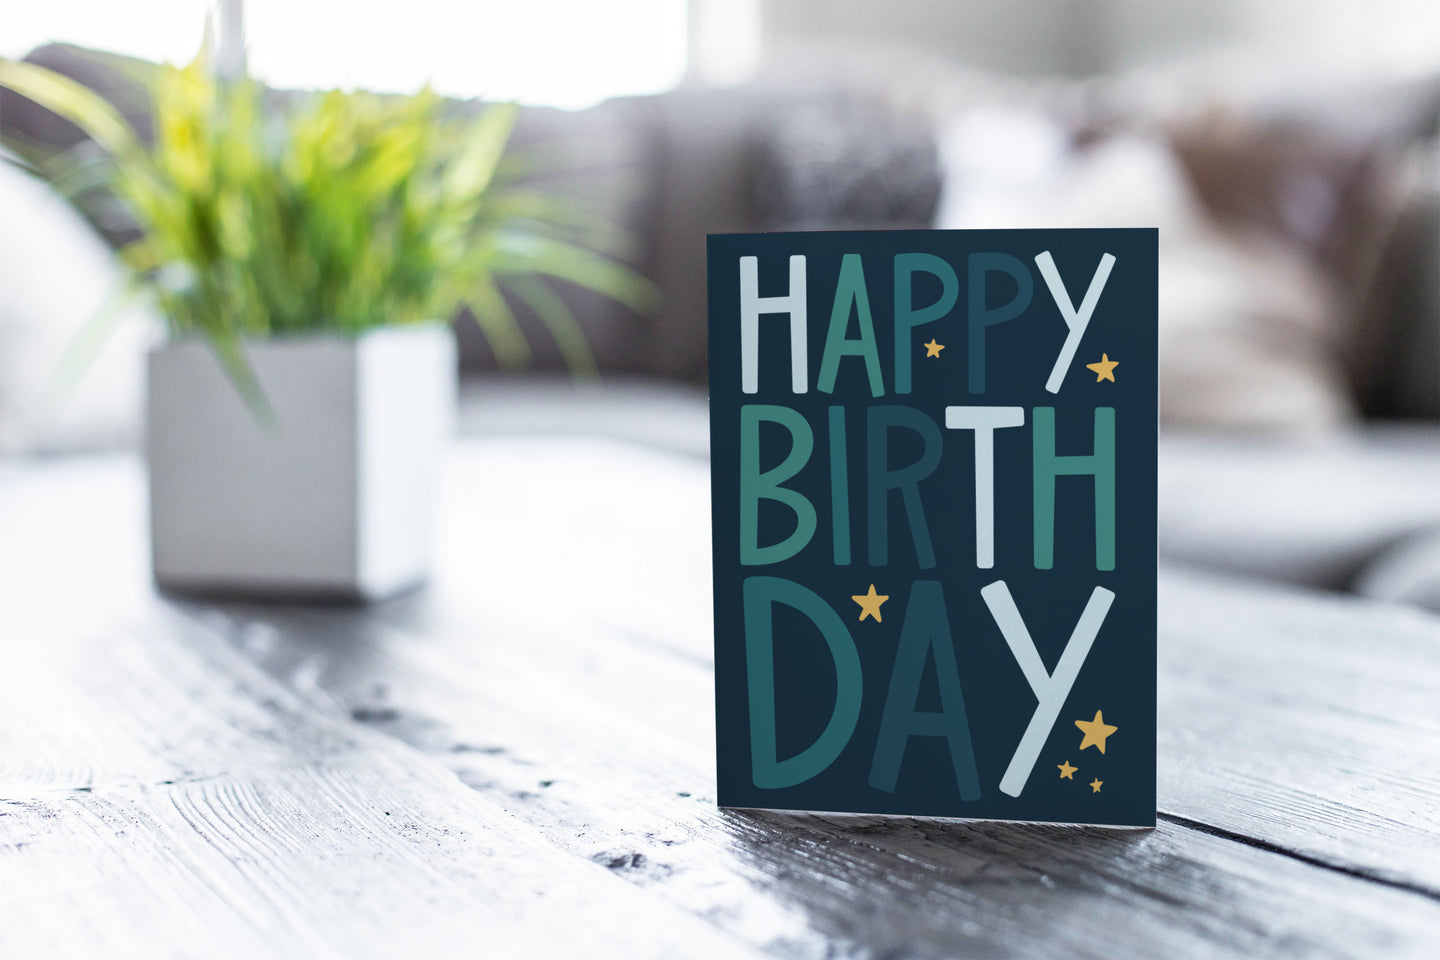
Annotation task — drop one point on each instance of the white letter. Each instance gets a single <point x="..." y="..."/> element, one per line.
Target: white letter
<point x="1050" y="689"/>
<point x="1077" y="321"/>
<point x="752" y="305"/>
<point x="984" y="421"/>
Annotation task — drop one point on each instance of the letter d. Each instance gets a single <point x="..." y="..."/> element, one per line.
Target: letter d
<point x="768" y="772"/>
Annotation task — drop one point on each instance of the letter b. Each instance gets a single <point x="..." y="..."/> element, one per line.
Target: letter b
<point x="756" y="486"/>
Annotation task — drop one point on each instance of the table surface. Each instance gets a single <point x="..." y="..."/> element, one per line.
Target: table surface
<point x="518" y="760"/>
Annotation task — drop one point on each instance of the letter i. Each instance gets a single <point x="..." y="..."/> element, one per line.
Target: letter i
<point x="839" y="488"/>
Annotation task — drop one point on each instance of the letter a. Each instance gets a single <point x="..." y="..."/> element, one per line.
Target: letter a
<point x="926" y="631"/>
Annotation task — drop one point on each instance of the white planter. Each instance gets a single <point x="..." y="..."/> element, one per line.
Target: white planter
<point x="332" y="499"/>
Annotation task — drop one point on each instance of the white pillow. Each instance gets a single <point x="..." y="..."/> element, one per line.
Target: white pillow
<point x="1247" y="330"/>
<point x="55" y="276"/>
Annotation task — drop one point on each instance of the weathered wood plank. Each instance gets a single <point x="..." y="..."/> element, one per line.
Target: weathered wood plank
<point x="1307" y="720"/>
<point x="162" y="797"/>
<point x="590" y="716"/>
<point x="551" y="570"/>
<point x="630" y="786"/>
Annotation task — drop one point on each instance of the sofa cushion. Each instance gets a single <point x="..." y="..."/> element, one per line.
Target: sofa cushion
<point x="1246" y="326"/>
<point x="71" y="349"/>
<point x="771" y="157"/>
<point x="38" y="134"/>
<point x="843" y="162"/>
<point x="1409" y="572"/>
<point x="1395" y="347"/>
<point x="1314" y="513"/>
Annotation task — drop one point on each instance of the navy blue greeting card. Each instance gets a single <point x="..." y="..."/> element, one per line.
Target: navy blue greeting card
<point x="933" y="484"/>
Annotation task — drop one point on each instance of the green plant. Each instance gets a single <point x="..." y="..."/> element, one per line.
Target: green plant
<point x="338" y="211"/>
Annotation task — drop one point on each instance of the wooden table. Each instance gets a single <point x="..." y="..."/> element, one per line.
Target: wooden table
<point x="519" y="760"/>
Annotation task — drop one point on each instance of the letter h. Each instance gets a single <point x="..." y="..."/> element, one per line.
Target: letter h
<point x="1100" y="465"/>
<point x="752" y="305"/>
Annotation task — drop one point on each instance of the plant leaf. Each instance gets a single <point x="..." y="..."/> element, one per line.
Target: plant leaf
<point x="558" y="318"/>
<point x="480" y="153"/>
<point x="81" y="351"/>
<point x="528" y="252"/>
<point x="498" y="324"/>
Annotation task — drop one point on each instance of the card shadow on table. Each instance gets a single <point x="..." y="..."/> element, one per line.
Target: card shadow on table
<point x="993" y="848"/>
<point x="342" y="647"/>
<point x="939" y="887"/>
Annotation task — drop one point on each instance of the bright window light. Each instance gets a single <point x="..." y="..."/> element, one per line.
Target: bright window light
<point x="150" y="29"/>
<point x="565" y="53"/>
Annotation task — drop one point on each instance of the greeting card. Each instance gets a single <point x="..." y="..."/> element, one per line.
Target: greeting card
<point x="933" y="484"/>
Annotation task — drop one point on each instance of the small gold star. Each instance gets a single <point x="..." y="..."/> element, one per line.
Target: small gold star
<point x="1067" y="772"/>
<point x="1095" y="731"/>
<point x="1105" y="369"/>
<point x="870" y="603"/>
<point x="1095" y="785"/>
<point x="932" y="349"/>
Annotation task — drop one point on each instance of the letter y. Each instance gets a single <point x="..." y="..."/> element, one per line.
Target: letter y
<point x="1050" y="689"/>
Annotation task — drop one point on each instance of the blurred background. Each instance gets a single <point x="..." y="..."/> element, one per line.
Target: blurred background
<point x="1289" y="153"/>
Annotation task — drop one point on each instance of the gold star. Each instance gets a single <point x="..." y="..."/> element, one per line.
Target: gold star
<point x="1067" y="772"/>
<point x="1095" y="785"/>
<point x="1095" y="731"/>
<point x="870" y="603"/>
<point x="1105" y="369"/>
<point x="932" y="349"/>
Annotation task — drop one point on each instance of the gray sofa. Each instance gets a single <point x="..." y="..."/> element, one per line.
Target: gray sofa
<point x="1356" y="510"/>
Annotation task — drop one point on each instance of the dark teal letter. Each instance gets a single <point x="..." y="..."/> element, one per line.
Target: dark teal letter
<point x="907" y="318"/>
<point x="981" y="317"/>
<point x="881" y="480"/>
<point x="926" y="630"/>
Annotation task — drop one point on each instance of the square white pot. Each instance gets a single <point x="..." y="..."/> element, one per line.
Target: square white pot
<point x="334" y="498"/>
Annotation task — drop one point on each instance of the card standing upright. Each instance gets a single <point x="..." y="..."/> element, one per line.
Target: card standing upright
<point x="933" y="463"/>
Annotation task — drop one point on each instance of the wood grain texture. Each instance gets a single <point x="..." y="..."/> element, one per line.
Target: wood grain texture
<point x="560" y="670"/>
<point x="1306" y="720"/>
<point x="161" y="797"/>
<point x="619" y="732"/>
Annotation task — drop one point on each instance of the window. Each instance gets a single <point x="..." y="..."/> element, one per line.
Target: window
<point x="567" y="53"/>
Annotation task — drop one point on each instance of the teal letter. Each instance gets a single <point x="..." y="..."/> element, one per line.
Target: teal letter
<point x="1100" y="465"/>
<point x="850" y="289"/>
<point x="881" y="480"/>
<point x="981" y="316"/>
<point x="768" y="772"/>
<point x="839" y="488"/>
<point x="756" y="486"/>
<point x="907" y="318"/>
<point x="926" y="630"/>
